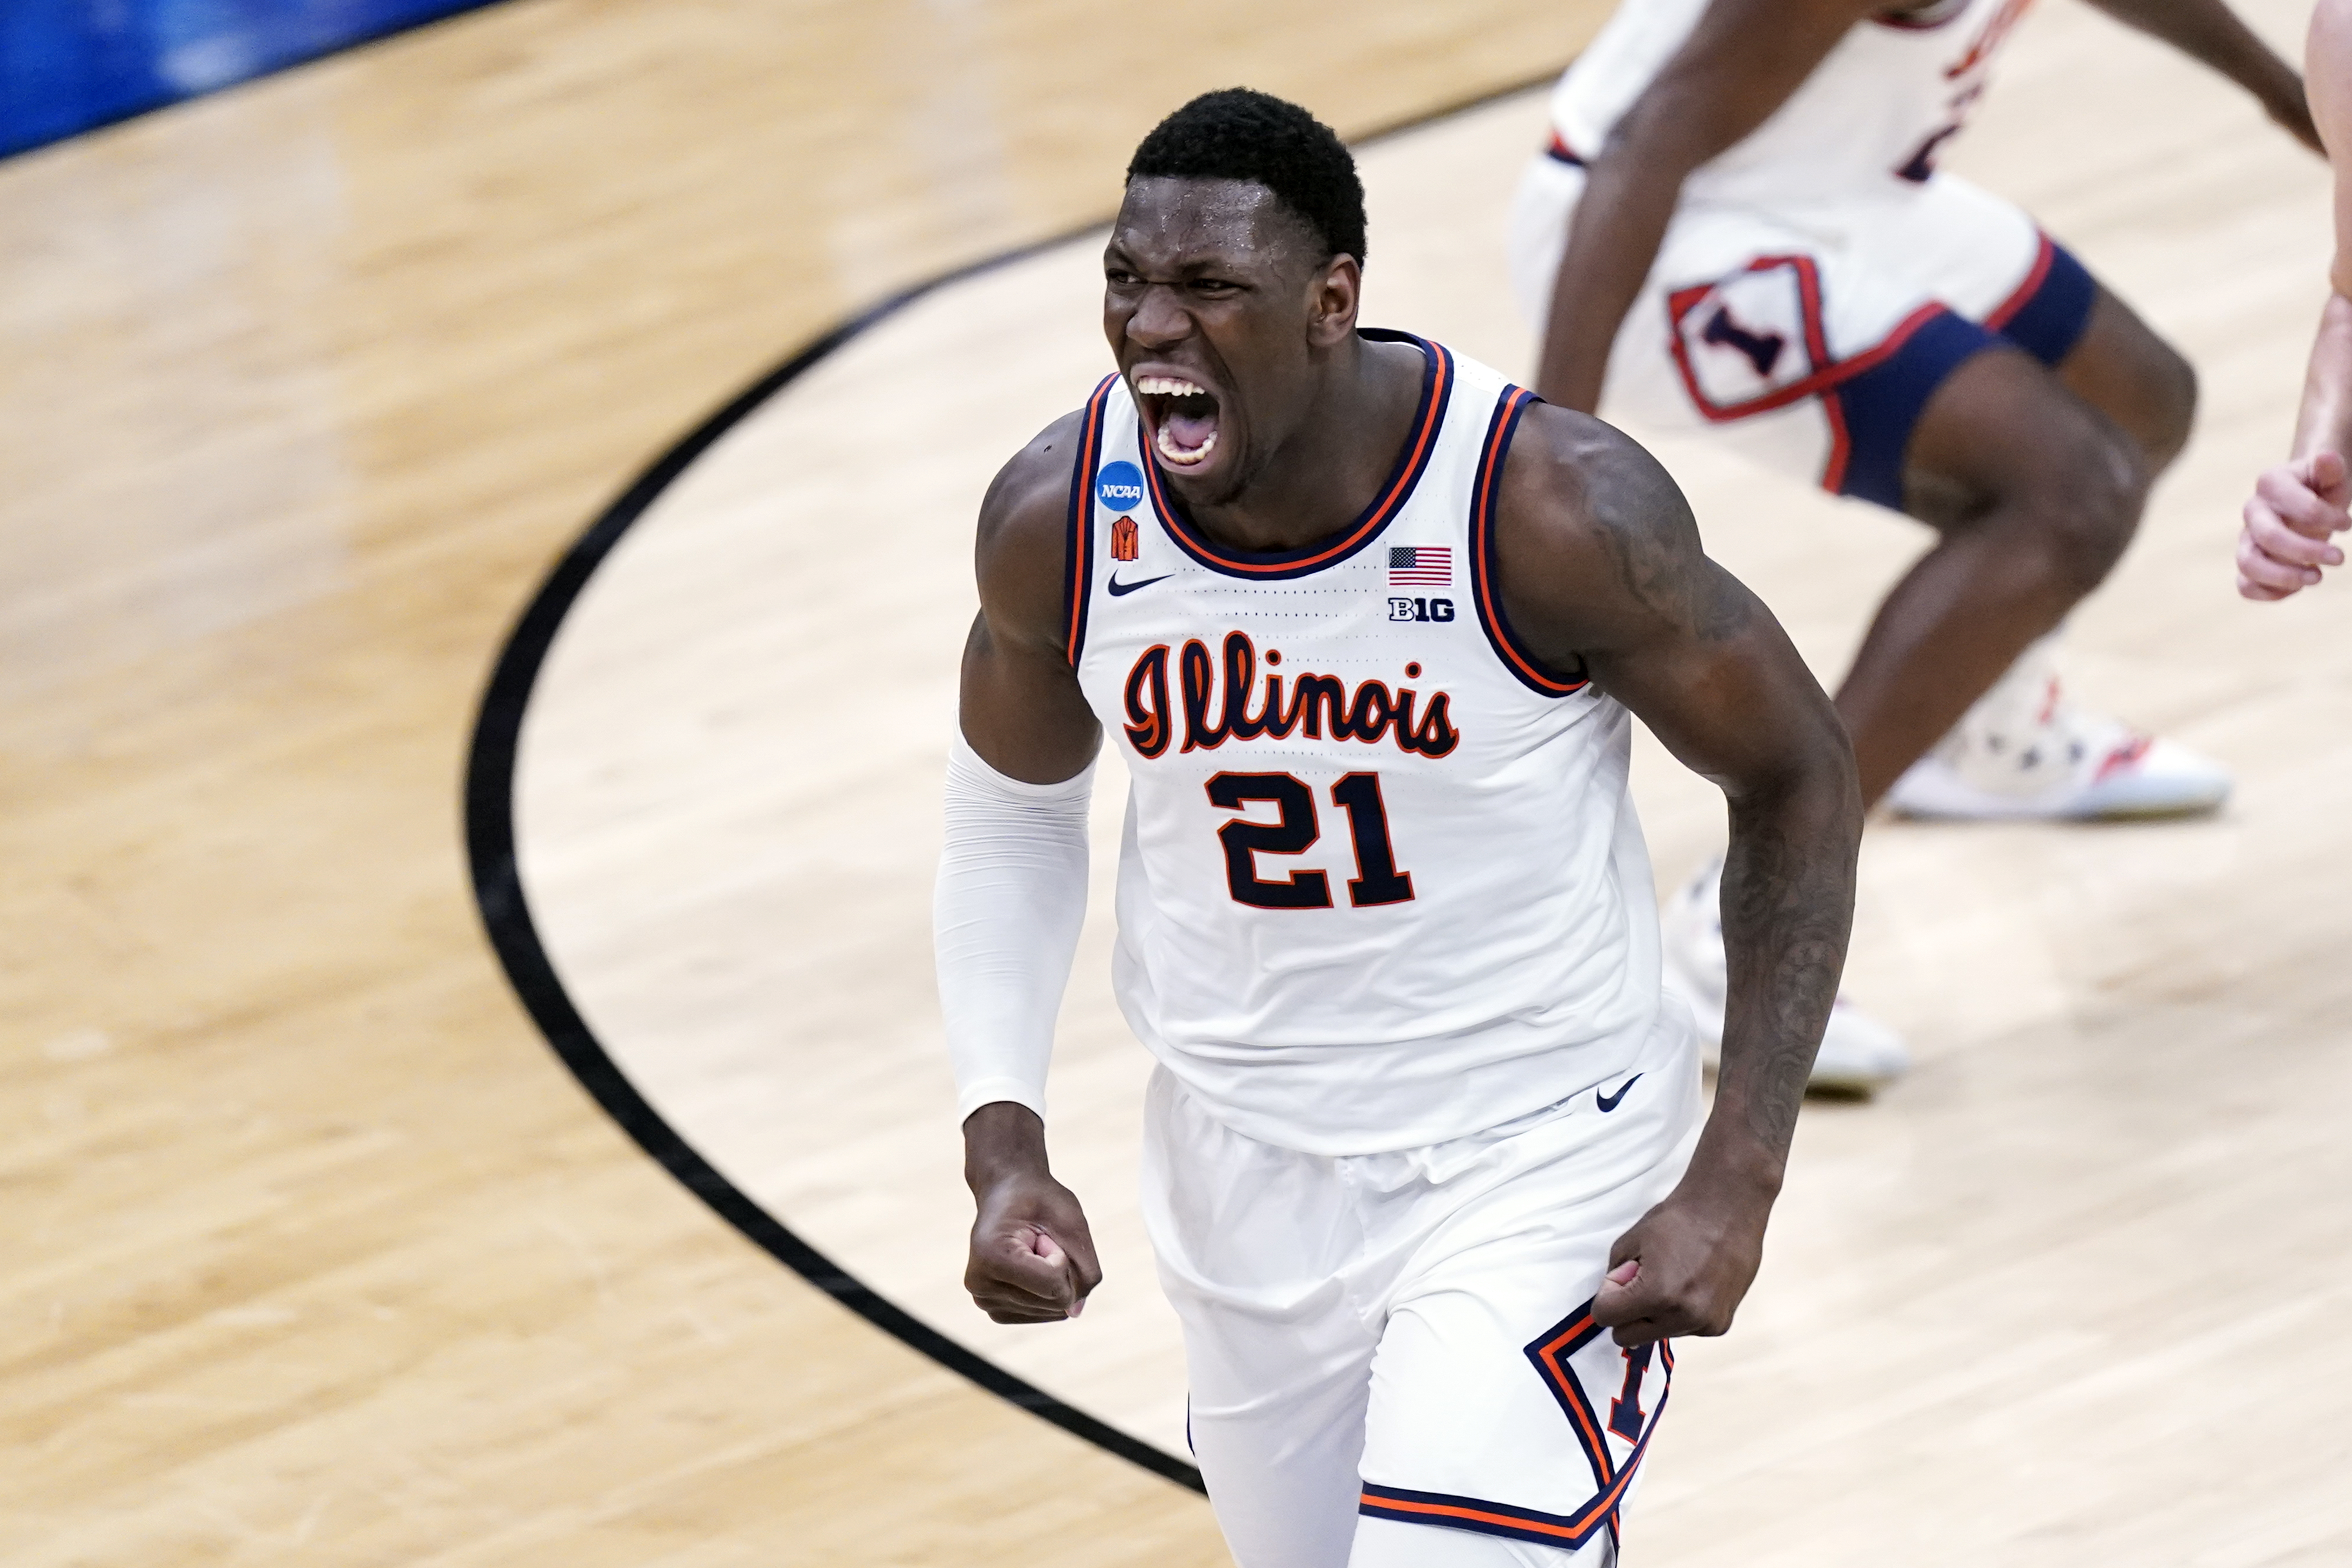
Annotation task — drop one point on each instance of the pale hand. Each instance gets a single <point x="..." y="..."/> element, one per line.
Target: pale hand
<point x="2290" y="523"/>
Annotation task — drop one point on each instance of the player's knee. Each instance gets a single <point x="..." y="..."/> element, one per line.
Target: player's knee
<point x="2082" y="513"/>
<point x="2171" y="390"/>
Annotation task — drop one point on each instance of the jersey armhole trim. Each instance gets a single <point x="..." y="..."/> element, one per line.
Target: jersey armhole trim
<point x="1078" y="560"/>
<point x="1485" y="498"/>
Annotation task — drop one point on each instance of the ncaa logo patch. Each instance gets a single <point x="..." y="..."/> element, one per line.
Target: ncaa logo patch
<point x="1120" y="486"/>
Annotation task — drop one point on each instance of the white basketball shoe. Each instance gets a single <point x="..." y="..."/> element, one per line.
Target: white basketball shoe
<point x="1858" y="1053"/>
<point x="2024" y="752"/>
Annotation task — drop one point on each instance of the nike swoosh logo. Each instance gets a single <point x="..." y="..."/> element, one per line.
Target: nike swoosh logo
<point x="1608" y="1102"/>
<point x="1117" y="587"/>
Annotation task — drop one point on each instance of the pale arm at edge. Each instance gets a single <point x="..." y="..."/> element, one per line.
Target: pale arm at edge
<point x="2325" y="422"/>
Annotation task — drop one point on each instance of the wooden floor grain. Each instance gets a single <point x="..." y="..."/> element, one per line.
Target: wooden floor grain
<point x="1999" y="1281"/>
<point x="314" y="1253"/>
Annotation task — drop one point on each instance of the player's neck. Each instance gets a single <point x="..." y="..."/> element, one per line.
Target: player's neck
<point x="1328" y="471"/>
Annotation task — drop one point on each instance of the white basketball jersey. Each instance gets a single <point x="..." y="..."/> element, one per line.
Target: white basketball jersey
<point x="1877" y="109"/>
<point x="1382" y="885"/>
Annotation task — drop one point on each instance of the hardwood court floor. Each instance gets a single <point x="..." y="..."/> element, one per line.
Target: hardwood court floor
<point x="312" y="1253"/>
<point x="2007" y="1280"/>
<point x="315" y="1256"/>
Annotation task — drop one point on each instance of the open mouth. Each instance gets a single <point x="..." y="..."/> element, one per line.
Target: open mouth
<point x="1183" y="419"/>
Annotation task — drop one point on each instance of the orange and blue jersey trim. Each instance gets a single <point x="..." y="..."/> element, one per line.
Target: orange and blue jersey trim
<point x="1077" y="560"/>
<point x="1486" y="1517"/>
<point x="1485" y="501"/>
<point x="1548" y="1351"/>
<point x="1412" y="461"/>
<point x="1569" y="1530"/>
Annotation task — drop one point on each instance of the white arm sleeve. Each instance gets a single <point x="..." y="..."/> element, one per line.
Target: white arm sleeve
<point x="1011" y="895"/>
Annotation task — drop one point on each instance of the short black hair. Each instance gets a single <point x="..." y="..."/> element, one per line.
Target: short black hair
<point x="1235" y="133"/>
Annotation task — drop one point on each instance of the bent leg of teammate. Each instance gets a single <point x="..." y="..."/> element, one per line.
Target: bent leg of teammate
<point x="2035" y="494"/>
<point x="2036" y="487"/>
<point x="2124" y="370"/>
<point x="2023" y="750"/>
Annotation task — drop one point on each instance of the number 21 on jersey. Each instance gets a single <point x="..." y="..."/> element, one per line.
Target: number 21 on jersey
<point x="1376" y="879"/>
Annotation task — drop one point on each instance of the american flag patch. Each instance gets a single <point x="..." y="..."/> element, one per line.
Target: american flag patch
<point x="1421" y="566"/>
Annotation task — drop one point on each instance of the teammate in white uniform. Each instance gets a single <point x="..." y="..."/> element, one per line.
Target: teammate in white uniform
<point x="1740" y="228"/>
<point x="1366" y="623"/>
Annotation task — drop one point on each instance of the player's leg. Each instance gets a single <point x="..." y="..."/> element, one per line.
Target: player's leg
<point x="1506" y="1427"/>
<point x="2034" y="494"/>
<point x="2023" y="749"/>
<point x="2033" y="478"/>
<point x="1253" y="1245"/>
<point x="1490" y="1442"/>
<point x="2137" y="380"/>
<point x="1985" y="258"/>
<point x="1391" y="1544"/>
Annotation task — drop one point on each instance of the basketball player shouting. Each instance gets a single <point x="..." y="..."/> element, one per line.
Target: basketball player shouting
<point x="1366" y="624"/>
<point x="1740" y="228"/>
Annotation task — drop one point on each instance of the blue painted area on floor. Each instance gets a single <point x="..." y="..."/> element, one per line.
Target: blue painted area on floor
<point x="67" y="66"/>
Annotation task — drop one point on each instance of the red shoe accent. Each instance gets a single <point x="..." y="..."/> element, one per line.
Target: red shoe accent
<point x="2123" y="756"/>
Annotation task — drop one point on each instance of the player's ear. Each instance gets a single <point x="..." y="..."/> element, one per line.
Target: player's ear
<point x="1334" y="293"/>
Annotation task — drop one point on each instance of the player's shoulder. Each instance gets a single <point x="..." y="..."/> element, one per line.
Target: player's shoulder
<point x="1572" y="483"/>
<point x="1027" y="503"/>
<point x="1592" y="537"/>
<point x="1024" y="544"/>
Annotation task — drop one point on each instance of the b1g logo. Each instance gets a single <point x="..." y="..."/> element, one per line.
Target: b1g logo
<point x="1420" y="609"/>
<point x="1120" y="486"/>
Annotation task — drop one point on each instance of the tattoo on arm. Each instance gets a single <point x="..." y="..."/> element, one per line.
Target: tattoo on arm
<point x="1604" y="563"/>
<point x="1788" y="903"/>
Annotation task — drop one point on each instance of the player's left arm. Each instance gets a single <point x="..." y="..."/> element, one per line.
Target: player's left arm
<point x="1600" y="561"/>
<point x="2209" y="32"/>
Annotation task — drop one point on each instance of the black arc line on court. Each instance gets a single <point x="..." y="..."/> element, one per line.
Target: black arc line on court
<point x="506" y="912"/>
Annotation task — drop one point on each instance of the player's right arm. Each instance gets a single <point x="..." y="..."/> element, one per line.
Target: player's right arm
<point x="2299" y="506"/>
<point x="1741" y="63"/>
<point x="1011" y="890"/>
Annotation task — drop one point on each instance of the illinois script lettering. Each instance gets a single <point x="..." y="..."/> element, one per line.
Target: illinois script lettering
<point x="1215" y="704"/>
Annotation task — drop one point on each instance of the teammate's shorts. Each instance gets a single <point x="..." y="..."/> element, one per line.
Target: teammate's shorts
<point x="1392" y="1356"/>
<point x="1810" y="338"/>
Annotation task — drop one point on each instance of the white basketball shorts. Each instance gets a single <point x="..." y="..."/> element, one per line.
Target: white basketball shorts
<point x="1809" y="336"/>
<point x="1393" y="1358"/>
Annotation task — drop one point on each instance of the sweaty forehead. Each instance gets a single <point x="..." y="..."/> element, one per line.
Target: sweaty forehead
<point x="1165" y="221"/>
